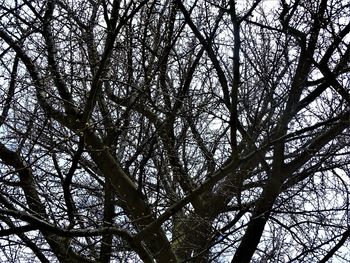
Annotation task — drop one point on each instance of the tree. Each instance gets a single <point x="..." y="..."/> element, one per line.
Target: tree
<point x="174" y="131"/>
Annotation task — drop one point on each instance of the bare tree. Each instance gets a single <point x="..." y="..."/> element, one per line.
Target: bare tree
<point x="174" y="131"/>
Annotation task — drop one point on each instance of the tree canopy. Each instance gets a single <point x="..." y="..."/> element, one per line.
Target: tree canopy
<point x="174" y="131"/>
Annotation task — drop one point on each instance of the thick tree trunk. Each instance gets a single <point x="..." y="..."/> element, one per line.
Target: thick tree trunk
<point x="261" y="213"/>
